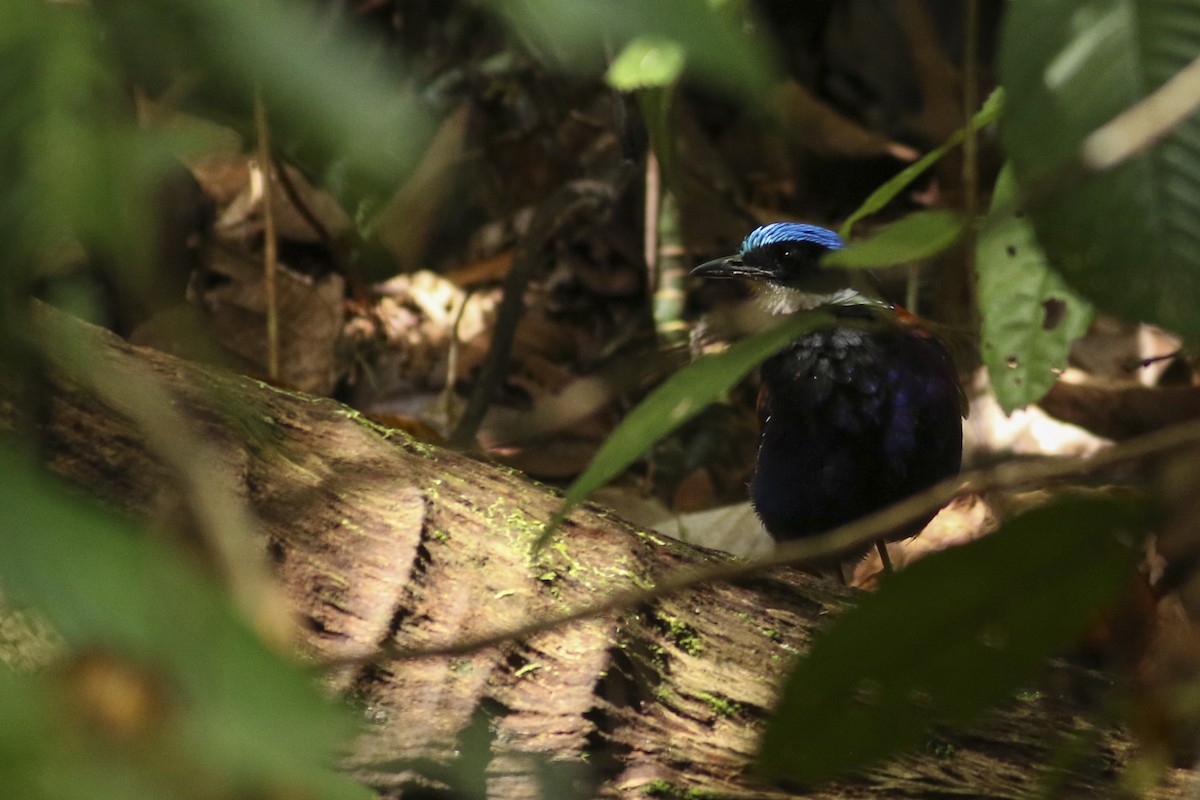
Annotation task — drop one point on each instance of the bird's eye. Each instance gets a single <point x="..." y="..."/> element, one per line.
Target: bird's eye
<point x="788" y="252"/>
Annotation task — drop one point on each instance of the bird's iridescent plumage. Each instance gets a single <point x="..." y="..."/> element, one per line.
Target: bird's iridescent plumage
<point x="789" y="232"/>
<point x="853" y="417"/>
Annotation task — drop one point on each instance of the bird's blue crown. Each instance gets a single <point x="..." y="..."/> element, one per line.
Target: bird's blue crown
<point x="791" y="232"/>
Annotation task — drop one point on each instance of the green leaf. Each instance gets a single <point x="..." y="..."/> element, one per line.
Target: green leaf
<point x="1127" y="238"/>
<point x="647" y="62"/>
<point x="25" y="735"/>
<point x="72" y="169"/>
<point x="235" y="712"/>
<point x="677" y="400"/>
<point x="1029" y="316"/>
<point x="950" y="635"/>
<point x="331" y="106"/>
<point x="917" y="236"/>
<point x="713" y="40"/>
<point x="887" y="192"/>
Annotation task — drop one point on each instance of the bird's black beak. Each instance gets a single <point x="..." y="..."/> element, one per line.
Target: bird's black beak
<point x="731" y="267"/>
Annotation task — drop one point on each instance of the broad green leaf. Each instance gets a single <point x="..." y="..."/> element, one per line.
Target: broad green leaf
<point x="72" y="169"/>
<point x="647" y="62"/>
<point x="26" y="735"/>
<point x="887" y="192"/>
<point x="1029" y="316"/>
<point x="950" y="635"/>
<point x="919" y="235"/>
<point x="1127" y="238"/>
<point x="712" y="39"/>
<point x="235" y="712"/>
<point x="677" y="400"/>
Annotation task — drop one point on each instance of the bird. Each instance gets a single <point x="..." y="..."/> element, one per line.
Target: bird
<point x="853" y="416"/>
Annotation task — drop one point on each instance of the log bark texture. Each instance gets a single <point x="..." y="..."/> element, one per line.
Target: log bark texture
<point x="380" y="539"/>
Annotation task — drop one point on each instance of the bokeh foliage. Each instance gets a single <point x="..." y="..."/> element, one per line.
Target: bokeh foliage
<point x="156" y="686"/>
<point x="76" y="168"/>
<point x="1127" y="238"/>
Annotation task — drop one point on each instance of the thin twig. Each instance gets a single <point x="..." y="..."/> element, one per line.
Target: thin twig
<point x="652" y="195"/>
<point x="854" y="535"/>
<point x="591" y="195"/>
<point x="671" y="271"/>
<point x="337" y="250"/>
<point x="270" y="245"/>
<point x="306" y="213"/>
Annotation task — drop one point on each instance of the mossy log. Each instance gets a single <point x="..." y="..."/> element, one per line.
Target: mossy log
<point x="382" y="541"/>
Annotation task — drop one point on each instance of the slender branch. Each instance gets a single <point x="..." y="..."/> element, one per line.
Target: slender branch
<point x="671" y="273"/>
<point x="652" y="196"/>
<point x="860" y="533"/>
<point x="306" y="213"/>
<point x="584" y="195"/>
<point x="337" y="249"/>
<point x="270" y="245"/>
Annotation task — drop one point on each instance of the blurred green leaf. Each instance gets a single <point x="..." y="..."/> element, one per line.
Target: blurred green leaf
<point x="333" y="107"/>
<point x="582" y="36"/>
<point x="73" y="169"/>
<point x="1128" y="238"/>
<point x="237" y="713"/>
<point x="949" y="635"/>
<point x="677" y="400"/>
<point x="26" y="735"/>
<point x="887" y="192"/>
<point x="78" y="170"/>
<point x="1029" y="316"/>
<point x="917" y="236"/>
<point x="647" y="62"/>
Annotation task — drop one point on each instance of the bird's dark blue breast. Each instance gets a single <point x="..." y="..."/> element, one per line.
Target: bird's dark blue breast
<point x="853" y="419"/>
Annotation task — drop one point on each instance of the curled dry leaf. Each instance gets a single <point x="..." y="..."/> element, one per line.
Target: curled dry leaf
<point x="311" y="314"/>
<point x="402" y="344"/>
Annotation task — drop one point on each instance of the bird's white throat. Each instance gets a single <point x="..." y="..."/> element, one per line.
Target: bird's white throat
<point x="787" y="300"/>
